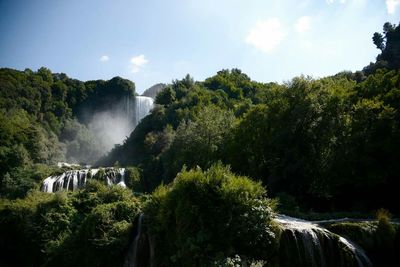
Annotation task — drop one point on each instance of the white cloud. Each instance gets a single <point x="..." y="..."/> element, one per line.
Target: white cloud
<point x="104" y="58"/>
<point x="332" y="1"/>
<point x="137" y="62"/>
<point x="391" y="5"/>
<point x="266" y="35"/>
<point x="303" y="24"/>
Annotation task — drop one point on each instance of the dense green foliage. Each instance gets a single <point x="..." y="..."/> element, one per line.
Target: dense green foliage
<point x="389" y="44"/>
<point x="328" y="143"/>
<point x="92" y="227"/>
<point x="133" y="179"/>
<point x="43" y="119"/>
<point x="19" y="181"/>
<point x="204" y="217"/>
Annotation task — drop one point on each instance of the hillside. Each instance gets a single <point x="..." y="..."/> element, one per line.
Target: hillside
<point x="203" y="179"/>
<point x="154" y="90"/>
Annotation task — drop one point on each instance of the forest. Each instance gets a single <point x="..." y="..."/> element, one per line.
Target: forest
<point x="209" y="168"/>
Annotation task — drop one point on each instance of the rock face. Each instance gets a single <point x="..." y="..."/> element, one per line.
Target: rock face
<point x="75" y="179"/>
<point x="304" y="243"/>
<point x="153" y="91"/>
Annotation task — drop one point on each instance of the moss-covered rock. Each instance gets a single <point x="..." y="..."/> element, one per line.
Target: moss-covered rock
<point x="379" y="239"/>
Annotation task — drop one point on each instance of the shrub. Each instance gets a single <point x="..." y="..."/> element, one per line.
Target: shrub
<point x="17" y="230"/>
<point x="383" y="216"/>
<point x="205" y="216"/>
<point x="91" y="227"/>
<point x="133" y="179"/>
<point x="99" y="176"/>
<point x="18" y="182"/>
<point x="385" y="233"/>
<point x="105" y="234"/>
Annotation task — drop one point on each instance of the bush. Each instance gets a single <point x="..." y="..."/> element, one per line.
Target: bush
<point x="52" y="223"/>
<point x="133" y="179"/>
<point x="105" y="234"/>
<point x="206" y="216"/>
<point x="90" y="227"/>
<point x="17" y="231"/>
<point x="19" y="181"/>
<point x="383" y="216"/>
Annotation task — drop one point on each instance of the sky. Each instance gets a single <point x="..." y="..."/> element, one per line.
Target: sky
<point x="157" y="41"/>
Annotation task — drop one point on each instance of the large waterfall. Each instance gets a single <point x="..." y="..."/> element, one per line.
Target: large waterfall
<point x="115" y="123"/>
<point x="305" y="244"/>
<point x="75" y="179"/>
<point x="111" y="126"/>
<point x="143" y="106"/>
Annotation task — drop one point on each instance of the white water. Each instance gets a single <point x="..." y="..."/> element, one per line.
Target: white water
<point x="122" y="180"/>
<point x="133" y="263"/>
<point x="141" y="251"/>
<point x="311" y="235"/>
<point x="143" y="106"/>
<point x="66" y="164"/>
<point x="111" y="128"/>
<point x="75" y="179"/>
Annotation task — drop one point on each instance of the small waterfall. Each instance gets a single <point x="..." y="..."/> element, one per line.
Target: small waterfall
<point x="122" y="180"/>
<point x="75" y="179"/>
<point x="143" y="106"/>
<point x="132" y="256"/>
<point x="140" y="253"/>
<point x="304" y="243"/>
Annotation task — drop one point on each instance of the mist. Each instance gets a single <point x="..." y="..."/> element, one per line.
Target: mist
<point x="111" y="128"/>
<point x="112" y="124"/>
<point x="104" y="128"/>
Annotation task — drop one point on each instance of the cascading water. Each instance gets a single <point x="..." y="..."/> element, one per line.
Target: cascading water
<point x="113" y="131"/>
<point x="131" y="259"/>
<point x="143" y="106"/>
<point x="75" y="179"/>
<point x="140" y="252"/>
<point x="304" y="243"/>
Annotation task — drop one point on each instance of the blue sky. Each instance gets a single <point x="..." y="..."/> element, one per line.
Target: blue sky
<point x="157" y="41"/>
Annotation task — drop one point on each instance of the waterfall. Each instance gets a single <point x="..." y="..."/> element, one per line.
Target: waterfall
<point x="304" y="243"/>
<point x="140" y="252"/>
<point x="140" y="108"/>
<point x="122" y="180"/>
<point x="128" y="106"/>
<point x="143" y="106"/>
<point x="131" y="260"/>
<point x="75" y="179"/>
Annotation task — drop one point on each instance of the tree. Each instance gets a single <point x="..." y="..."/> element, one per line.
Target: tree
<point x="166" y="96"/>
<point x="379" y="41"/>
<point x="389" y="44"/>
<point x="204" y="216"/>
<point x="199" y="142"/>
